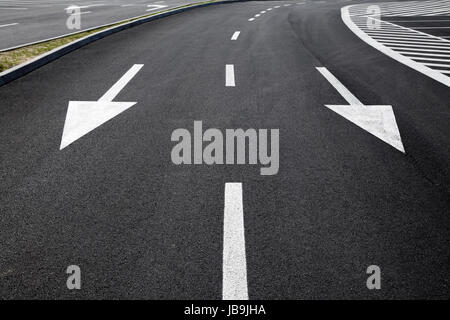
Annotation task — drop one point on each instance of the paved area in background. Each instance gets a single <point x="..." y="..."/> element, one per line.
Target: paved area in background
<point x="25" y="21"/>
<point x="139" y="226"/>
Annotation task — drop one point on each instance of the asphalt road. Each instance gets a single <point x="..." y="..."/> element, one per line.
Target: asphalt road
<point x="141" y="227"/>
<point x="25" y="21"/>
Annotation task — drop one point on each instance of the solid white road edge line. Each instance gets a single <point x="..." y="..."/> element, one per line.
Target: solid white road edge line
<point x="234" y="284"/>
<point x="10" y="8"/>
<point x="8" y="25"/>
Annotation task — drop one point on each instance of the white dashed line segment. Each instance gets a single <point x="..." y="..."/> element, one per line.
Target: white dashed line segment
<point x="229" y="76"/>
<point x="8" y="25"/>
<point x="234" y="282"/>
<point x="235" y="35"/>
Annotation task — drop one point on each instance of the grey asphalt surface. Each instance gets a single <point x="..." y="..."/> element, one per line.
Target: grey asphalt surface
<point x="44" y="19"/>
<point x="141" y="227"/>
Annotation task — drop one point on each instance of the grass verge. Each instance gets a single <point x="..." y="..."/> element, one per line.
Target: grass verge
<point x="15" y="57"/>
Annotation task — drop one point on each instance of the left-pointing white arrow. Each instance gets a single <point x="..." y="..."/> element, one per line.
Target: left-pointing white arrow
<point x="84" y="116"/>
<point x="378" y="120"/>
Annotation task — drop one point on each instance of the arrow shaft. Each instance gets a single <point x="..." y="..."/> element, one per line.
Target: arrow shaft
<point x="121" y="83"/>
<point x="344" y="92"/>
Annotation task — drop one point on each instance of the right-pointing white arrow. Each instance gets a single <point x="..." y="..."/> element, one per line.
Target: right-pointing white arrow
<point x="378" y="120"/>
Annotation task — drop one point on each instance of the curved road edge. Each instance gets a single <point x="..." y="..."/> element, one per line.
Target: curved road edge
<point x="41" y="60"/>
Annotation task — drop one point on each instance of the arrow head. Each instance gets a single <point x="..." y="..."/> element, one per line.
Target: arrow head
<point x="84" y="116"/>
<point x="378" y="120"/>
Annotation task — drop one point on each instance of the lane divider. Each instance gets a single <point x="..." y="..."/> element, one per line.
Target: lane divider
<point x="268" y="9"/>
<point x="234" y="281"/>
<point x="235" y="35"/>
<point x="229" y="76"/>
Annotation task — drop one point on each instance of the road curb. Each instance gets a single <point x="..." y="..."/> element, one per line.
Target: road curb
<point x="25" y="68"/>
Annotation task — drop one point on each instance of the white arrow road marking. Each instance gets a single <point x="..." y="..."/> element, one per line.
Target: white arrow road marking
<point x="378" y="120"/>
<point x="84" y="116"/>
<point x="234" y="285"/>
<point x="152" y="7"/>
<point x="229" y="75"/>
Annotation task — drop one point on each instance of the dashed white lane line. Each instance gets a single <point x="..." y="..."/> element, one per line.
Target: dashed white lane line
<point x="8" y="25"/>
<point x="229" y="75"/>
<point x="276" y="7"/>
<point x="257" y="15"/>
<point x="235" y="35"/>
<point x="251" y="19"/>
<point x="234" y="281"/>
<point x="269" y="9"/>
<point x="263" y="11"/>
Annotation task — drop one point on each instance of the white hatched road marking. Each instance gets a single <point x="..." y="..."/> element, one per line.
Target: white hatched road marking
<point x="404" y="44"/>
<point x="407" y="8"/>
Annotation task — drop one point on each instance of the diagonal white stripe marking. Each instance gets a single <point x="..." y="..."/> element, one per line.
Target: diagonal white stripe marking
<point x="8" y="25"/>
<point x="121" y="83"/>
<point x="345" y="93"/>
<point x="235" y="35"/>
